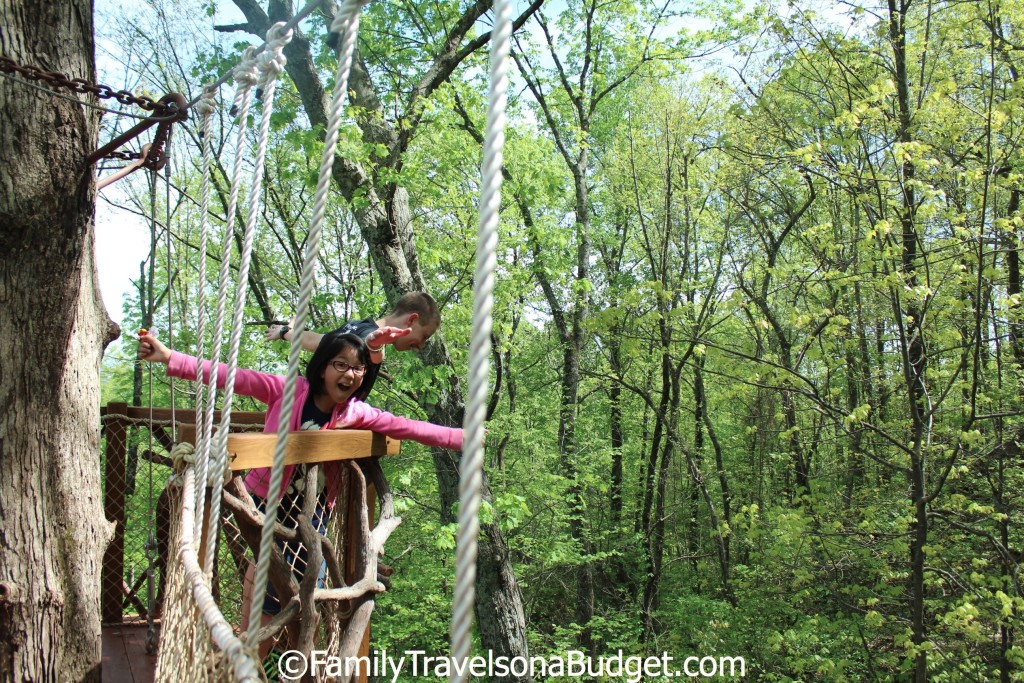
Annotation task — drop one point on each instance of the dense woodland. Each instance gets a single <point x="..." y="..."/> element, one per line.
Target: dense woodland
<point x="759" y="343"/>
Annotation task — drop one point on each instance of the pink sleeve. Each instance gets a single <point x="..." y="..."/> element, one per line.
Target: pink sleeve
<point x="359" y="415"/>
<point x="259" y="385"/>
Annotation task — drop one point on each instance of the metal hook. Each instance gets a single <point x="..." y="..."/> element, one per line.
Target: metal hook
<point x="135" y="165"/>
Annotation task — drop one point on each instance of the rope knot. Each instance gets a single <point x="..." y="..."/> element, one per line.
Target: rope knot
<point x="278" y="36"/>
<point x="272" y="60"/>
<point x="183" y="453"/>
<point x="207" y="103"/>
<point x="246" y="73"/>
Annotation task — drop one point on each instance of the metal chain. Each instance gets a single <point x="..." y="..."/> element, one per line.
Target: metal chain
<point x="58" y="80"/>
<point x="77" y="100"/>
<point x="157" y="156"/>
<point x="123" y="156"/>
<point x="167" y="111"/>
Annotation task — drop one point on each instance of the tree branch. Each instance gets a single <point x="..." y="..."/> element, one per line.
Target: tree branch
<point x="232" y="28"/>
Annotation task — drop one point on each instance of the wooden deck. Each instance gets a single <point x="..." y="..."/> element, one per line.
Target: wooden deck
<point x="124" y="655"/>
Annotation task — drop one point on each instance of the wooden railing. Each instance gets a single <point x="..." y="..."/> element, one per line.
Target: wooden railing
<point x="117" y="418"/>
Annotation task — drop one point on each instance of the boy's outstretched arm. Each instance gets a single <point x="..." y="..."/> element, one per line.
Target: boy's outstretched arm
<point x="385" y="335"/>
<point x="310" y="340"/>
<point x="376" y="340"/>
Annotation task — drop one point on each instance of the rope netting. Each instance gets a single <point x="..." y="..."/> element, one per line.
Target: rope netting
<point x="198" y="642"/>
<point x="225" y="652"/>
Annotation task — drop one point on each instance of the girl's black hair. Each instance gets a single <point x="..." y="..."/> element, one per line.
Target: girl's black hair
<point x="330" y="346"/>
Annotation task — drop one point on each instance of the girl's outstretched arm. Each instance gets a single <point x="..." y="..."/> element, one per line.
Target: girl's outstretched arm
<point x="259" y="385"/>
<point x="359" y="415"/>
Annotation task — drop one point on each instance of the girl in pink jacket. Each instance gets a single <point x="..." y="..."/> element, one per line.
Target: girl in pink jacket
<point x="331" y="396"/>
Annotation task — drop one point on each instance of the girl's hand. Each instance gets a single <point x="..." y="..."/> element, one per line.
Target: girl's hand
<point x="152" y="349"/>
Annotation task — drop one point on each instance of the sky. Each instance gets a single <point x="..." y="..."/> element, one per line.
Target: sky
<point x="122" y="237"/>
<point x="122" y="242"/>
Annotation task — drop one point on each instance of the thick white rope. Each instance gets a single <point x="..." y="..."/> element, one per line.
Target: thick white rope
<point x="471" y="466"/>
<point x="246" y="77"/>
<point x="271" y="63"/>
<point x="346" y="22"/>
<point x="245" y="666"/>
<point x="205" y="107"/>
<point x="151" y="544"/>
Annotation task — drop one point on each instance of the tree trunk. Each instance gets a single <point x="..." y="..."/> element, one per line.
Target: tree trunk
<point x="693" y="546"/>
<point x="570" y="403"/>
<point x="497" y="594"/>
<point x="723" y="479"/>
<point x="854" y="474"/>
<point x="617" y="438"/>
<point x="50" y="498"/>
<point x="1013" y="282"/>
<point x="501" y="621"/>
<point x="654" y="499"/>
<point x="912" y="346"/>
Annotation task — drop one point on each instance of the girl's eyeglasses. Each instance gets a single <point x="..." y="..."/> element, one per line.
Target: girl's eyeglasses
<point x="343" y="367"/>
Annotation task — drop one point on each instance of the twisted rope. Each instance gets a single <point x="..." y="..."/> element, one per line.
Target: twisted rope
<point x="246" y="77"/>
<point x="471" y="474"/>
<point x="346" y="22"/>
<point x="246" y="669"/>
<point x="271" y="63"/>
<point x="206" y="108"/>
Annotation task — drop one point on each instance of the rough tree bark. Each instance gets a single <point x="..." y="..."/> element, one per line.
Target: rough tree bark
<point x="55" y="328"/>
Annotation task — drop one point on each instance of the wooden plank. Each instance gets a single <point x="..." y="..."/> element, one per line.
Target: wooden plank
<point x="131" y="595"/>
<point x="187" y="431"/>
<point x="324" y="445"/>
<point x="142" y="663"/>
<point x="204" y="536"/>
<point x="246" y="451"/>
<point x="115" y="666"/>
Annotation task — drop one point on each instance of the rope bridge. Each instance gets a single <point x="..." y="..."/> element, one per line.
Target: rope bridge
<point x="219" y="527"/>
